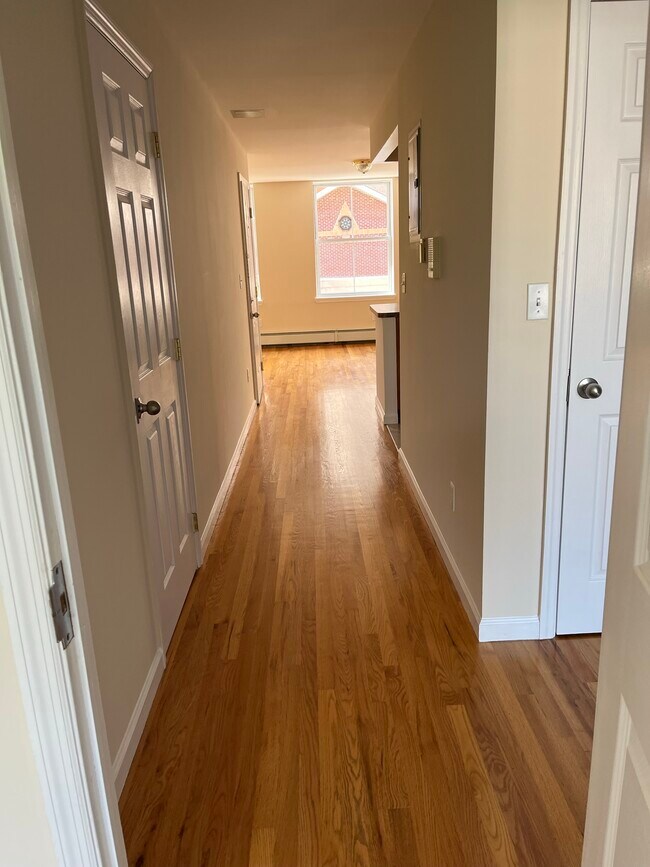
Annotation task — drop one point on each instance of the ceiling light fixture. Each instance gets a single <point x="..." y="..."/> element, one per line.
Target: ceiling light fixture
<point x="362" y="165"/>
<point x="247" y="112"/>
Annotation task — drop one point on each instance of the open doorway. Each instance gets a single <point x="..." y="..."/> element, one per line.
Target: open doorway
<point x="327" y="250"/>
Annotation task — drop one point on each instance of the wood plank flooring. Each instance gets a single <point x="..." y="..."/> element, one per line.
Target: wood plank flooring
<point x="326" y="701"/>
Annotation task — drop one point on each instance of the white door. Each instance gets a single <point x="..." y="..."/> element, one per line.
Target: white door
<point x="124" y="118"/>
<point x="617" y="833"/>
<point x="607" y="216"/>
<point x="250" y="248"/>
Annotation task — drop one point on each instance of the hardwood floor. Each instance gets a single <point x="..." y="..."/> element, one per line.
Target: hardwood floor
<point x="326" y="701"/>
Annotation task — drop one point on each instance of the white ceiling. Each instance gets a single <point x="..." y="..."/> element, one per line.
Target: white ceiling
<point x="319" y="69"/>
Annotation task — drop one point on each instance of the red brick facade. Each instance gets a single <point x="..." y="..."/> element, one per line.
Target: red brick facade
<point x="361" y="259"/>
<point x="352" y="233"/>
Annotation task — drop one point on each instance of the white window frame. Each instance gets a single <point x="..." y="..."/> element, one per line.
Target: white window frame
<point x="390" y="236"/>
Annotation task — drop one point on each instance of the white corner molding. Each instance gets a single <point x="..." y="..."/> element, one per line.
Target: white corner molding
<point x="134" y="730"/>
<point x="508" y="628"/>
<point x="462" y="589"/>
<point x="387" y="148"/>
<point x="217" y="506"/>
<point x="385" y="417"/>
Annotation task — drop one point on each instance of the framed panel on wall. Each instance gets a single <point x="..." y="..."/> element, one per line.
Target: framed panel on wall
<point x="414" y="194"/>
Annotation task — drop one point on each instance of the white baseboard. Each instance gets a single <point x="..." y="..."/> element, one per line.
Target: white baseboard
<point x="508" y="628"/>
<point x="452" y="567"/>
<point x="385" y="417"/>
<point x="139" y="716"/>
<point x="341" y="335"/>
<point x="215" y="511"/>
<point x="140" y="713"/>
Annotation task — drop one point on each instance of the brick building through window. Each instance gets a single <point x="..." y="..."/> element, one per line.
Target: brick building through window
<point x="354" y="239"/>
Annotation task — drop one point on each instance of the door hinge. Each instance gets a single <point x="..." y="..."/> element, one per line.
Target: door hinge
<point x="568" y="386"/>
<point x="177" y="348"/>
<point x="195" y="522"/>
<point x="250" y="212"/>
<point x="261" y="365"/>
<point x="60" y="603"/>
<point x="156" y="144"/>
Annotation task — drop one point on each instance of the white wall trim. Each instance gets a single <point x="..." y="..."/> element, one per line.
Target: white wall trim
<point x="133" y="733"/>
<point x="220" y="499"/>
<point x="456" y="576"/>
<point x="385" y="417"/>
<point x="340" y="335"/>
<point x="387" y="148"/>
<point x="508" y="628"/>
<point x="250" y="281"/>
<point x="109" y="31"/>
<point x="567" y="249"/>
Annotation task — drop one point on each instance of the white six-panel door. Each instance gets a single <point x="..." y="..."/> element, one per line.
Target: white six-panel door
<point x="123" y="110"/>
<point x="606" y="236"/>
<point x="617" y="832"/>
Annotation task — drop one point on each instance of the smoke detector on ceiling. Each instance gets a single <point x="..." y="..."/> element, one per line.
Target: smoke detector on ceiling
<point x="247" y="112"/>
<point x="362" y="165"/>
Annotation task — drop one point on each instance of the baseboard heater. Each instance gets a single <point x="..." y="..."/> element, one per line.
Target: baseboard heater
<point x="340" y="335"/>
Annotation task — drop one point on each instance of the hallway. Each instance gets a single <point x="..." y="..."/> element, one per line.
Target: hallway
<point x="326" y="700"/>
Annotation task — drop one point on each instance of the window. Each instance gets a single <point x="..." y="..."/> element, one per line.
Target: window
<point x="354" y="239"/>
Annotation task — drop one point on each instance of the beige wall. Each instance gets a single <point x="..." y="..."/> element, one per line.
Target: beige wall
<point x="531" y="52"/>
<point x="498" y="219"/>
<point x="42" y="46"/>
<point x="447" y="83"/>
<point x="25" y="834"/>
<point x="285" y="237"/>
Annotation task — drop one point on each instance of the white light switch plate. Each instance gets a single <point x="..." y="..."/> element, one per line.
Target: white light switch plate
<point x="537" y="301"/>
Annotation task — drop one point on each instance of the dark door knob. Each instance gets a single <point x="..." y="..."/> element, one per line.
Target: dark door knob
<point x="589" y="388"/>
<point x="152" y="407"/>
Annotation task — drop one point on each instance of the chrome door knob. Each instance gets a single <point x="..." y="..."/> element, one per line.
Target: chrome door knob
<point x="151" y="407"/>
<point x="589" y="388"/>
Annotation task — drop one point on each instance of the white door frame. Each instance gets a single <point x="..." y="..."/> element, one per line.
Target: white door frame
<point x="258" y="387"/>
<point x="60" y="689"/>
<point x="101" y="22"/>
<point x="567" y="254"/>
